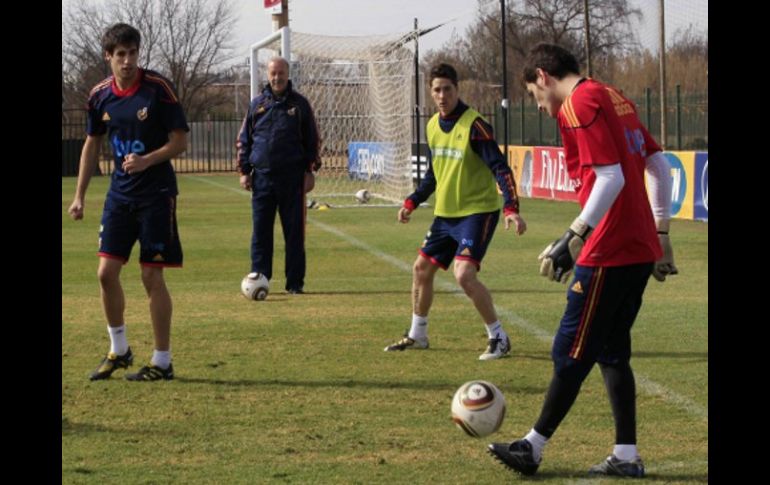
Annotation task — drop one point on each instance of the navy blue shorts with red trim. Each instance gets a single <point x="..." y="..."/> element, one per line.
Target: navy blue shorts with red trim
<point x="602" y="304"/>
<point x="464" y="238"/>
<point x="152" y="222"/>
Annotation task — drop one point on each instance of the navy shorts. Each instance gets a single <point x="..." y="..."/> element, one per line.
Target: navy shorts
<point x="152" y="222"/>
<point x="464" y="238"/>
<point x="602" y="304"/>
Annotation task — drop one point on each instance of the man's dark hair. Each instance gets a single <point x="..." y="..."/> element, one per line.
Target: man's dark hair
<point x="444" y="71"/>
<point x="553" y="59"/>
<point x="120" y="34"/>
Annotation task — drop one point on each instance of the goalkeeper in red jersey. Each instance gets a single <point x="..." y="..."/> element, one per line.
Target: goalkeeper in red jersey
<point x="619" y="239"/>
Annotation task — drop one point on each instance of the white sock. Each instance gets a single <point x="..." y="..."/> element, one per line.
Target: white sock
<point x="538" y="442"/>
<point x="161" y="358"/>
<point x="625" y="452"/>
<point x="118" y="340"/>
<point x="419" y="327"/>
<point x="495" y="330"/>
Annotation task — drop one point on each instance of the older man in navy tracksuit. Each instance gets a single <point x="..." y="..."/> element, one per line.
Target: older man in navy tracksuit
<point x="277" y="154"/>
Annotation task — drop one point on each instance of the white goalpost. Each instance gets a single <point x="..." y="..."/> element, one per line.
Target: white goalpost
<point x="284" y="36"/>
<point x="361" y="90"/>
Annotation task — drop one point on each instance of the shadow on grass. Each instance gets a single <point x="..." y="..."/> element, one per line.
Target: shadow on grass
<point x="676" y="477"/>
<point x="349" y="383"/>
<point x="579" y="476"/>
<point x="544" y="355"/>
<point x="70" y="427"/>
<point x="694" y="356"/>
<point x="283" y="296"/>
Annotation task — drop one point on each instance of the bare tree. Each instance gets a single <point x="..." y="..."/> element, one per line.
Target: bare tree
<point x="686" y="64"/>
<point x="528" y="23"/>
<point x="187" y="40"/>
<point x="82" y="60"/>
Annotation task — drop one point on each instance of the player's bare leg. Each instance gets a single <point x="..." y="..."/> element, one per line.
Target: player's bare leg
<point x="160" y="367"/>
<point x="114" y="303"/>
<point x="423" y="274"/>
<point x="466" y="274"/>
<point x="160" y="305"/>
<point x="113" y="299"/>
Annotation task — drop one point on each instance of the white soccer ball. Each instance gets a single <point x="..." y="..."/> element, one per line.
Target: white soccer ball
<point x="478" y="408"/>
<point x="363" y="196"/>
<point x="255" y="286"/>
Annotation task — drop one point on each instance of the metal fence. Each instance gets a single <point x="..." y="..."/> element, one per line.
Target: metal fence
<point x="210" y="144"/>
<point x="211" y="141"/>
<point x="687" y="128"/>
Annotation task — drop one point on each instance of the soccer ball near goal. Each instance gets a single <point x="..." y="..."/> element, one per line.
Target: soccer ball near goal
<point x="363" y="196"/>
<point x="478" y="408"/>
<point x="255" y="286"/>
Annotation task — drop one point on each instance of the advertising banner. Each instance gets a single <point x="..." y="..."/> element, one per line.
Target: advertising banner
<point x="701" y="192"/>
<point x="366" y="159"/>
<point x="541" y="173"/>
<point x="549" y="175"/>
<point x="682" y="181"/>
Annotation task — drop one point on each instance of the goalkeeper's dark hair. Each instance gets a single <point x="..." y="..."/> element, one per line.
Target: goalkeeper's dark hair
<point x="553" y="59"/>
<point x="120" y="34"/>
<point x="443" y="71"/>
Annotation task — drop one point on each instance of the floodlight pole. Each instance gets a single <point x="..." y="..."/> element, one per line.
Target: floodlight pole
<point x="662" y="49"/>
<point x="587" y="43"/>
<point x="505" y="85"/>
<point x="281" y="19"/>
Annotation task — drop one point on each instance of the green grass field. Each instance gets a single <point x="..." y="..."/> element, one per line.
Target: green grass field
<point x="297" y="389"/>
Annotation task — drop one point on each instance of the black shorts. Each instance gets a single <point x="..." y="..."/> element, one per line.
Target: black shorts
<point x="152" y="222"/>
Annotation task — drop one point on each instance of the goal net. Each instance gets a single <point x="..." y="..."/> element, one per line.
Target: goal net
<point x="362" y="92"/>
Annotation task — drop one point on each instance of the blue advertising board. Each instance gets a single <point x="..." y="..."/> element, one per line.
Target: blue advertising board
<point x="366" y="159"/>
<point x="701" y="202"/>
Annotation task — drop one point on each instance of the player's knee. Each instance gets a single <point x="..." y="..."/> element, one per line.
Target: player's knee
<point x="571" y="369"/>
<point x="421" y="269"/>
<point x="151" y="277"/>
<point x="465" y="277"/>
<point x="107" y="275"/>
<point x="619" y="364"/>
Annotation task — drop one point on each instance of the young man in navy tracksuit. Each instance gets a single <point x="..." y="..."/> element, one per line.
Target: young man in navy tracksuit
<point x="278" y="151"/>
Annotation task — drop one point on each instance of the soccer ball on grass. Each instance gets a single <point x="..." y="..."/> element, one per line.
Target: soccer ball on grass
<point x="363" y="196"/>
<point x="255" y="286"/>
<point x="478" y="408"/>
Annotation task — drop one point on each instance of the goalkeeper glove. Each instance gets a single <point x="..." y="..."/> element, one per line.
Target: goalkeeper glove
<point x="558" y="259"/>
<point x="664" y="266"/>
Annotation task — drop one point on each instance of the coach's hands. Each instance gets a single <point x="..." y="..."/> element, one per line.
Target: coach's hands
<point x="664" y="266"/>
<point x="245" y="182"/>
<point x="309" y="183"/>
<point x="558" y="258"/>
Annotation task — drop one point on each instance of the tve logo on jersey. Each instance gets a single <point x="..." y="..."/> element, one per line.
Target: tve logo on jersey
<point x="123" y="148"/>
<point x="678" y="183"/>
